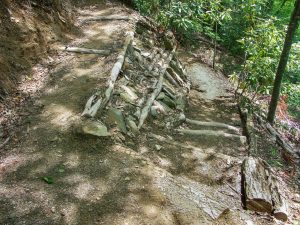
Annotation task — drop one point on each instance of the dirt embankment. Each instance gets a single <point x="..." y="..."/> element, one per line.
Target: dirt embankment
<point x="27" y="31"/>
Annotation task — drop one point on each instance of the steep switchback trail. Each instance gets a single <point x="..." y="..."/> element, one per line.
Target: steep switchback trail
<point x="177" y="165"/>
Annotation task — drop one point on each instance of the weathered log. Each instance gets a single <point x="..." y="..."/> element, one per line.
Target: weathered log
<point x="248" y="130"/>
<point x="169" y="89"/>
<point x="178" y="68"/>
<point x="279" y="139"/>
<point x="171" y="80"/>
<point x="256" y="184"/>
<point x="280" y="204"/>
<point x="213" y="133"/>
<point x="176" y="77"/>
<point x="98" y="101"/>
<point x="145" y="111"/>
<point x="212" y="124"/>
<point x="102" y="18"/>
<point x="261" y="189"/>
<point x="86" y="51"/>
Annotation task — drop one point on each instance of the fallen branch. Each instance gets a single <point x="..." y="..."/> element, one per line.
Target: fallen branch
<point x="176" y="77"/>
<point x="212" y="124"/>
<point x="103" y="18"/>
<point x="280" y="205"/>
<point x="279" y="140"/>
<point x="171" y="80"/>
<point x="98" y="101"/>
<point x="86" y="51"/>
<point x="145" y="111"/>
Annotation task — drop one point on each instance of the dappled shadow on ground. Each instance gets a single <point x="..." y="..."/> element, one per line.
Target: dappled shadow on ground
<point x="53" y="175"/>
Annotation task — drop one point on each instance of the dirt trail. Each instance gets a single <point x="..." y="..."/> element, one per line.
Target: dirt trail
<point x="160" y="177"/>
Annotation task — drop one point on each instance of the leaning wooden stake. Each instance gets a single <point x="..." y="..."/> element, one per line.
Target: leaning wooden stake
<point x="155" y="93"/>
<point x="86" y="50"/>
<point x="99" y="100"/>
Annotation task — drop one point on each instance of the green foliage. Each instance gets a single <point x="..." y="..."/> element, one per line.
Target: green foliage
<point x="254" y="29"/>
<point x="262" y="45"/>
<point x="293" y="92"/>
<point x="182" y="18"/>
<point x="244" y="14"/>
<point x="185" y="18"/>
<point x="148" y="7"/>
<point x="48" y="180"/>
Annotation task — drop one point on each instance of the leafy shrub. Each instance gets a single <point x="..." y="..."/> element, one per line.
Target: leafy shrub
<point x="262" y="46"/>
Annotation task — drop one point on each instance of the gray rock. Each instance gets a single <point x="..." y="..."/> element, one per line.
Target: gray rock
<point x="128" y="95"/>
<point x="158" y="147"/>
<point x="181" y="102"/>
<point x="133" y="126"/>
<point x="154" y="112"/>
<point x="161" y="96"/>
<point x="95" y="128"/>
<point x="115" y="115"/>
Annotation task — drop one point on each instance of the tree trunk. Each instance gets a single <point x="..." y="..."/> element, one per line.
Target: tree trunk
<point x="215" y="46"/>
<point x="283" y="61"/>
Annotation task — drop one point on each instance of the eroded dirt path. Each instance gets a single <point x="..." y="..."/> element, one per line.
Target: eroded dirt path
<point x="159" y="177"/>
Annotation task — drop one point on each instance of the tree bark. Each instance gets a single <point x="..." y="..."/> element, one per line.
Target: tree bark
<point x="159" y="86"/>
<point x="283" y="61"/>
<point x="256" y="184"/>
<point x="100" y="100"/>
<point x="261" y="189"/>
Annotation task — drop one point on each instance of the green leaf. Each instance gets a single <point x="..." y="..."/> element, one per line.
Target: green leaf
<point x="48" y="180"/>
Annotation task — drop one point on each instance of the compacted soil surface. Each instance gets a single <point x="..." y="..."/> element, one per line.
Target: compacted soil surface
<point x="50" y="174"/>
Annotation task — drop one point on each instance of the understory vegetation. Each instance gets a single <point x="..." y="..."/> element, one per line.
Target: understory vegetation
<point x="253" y="30"/>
